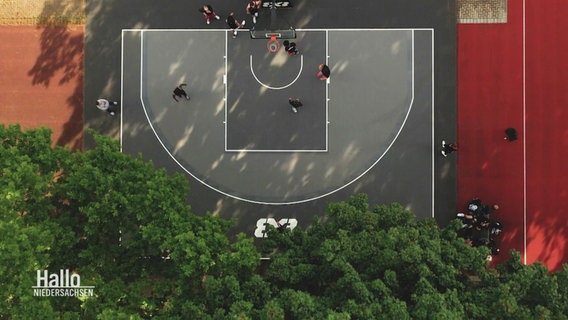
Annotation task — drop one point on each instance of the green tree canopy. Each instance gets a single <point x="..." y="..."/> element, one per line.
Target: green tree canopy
<point x="120" y="223"/>
<point x="384" y="263"/>
<point x="126" y="228"/>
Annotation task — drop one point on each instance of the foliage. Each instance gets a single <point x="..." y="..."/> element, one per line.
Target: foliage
<point x="121" y="224"/>
<point x="125" y="227"/>
<point x="385" y="264"/>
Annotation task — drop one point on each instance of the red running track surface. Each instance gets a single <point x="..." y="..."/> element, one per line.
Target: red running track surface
<point x="547" y="131"/>
<point x="510" y="78"/>
<point x="41" y="80"/>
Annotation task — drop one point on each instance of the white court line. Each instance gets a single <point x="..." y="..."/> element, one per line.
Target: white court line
<point x="327" y="92"/>
<point x="277" y="150"/>
<point x="411" y="104"/>
<point x="369" y="29"/>
<point x="162" y="143"/>
<point x="174" y="30"/>
<point x="303" y="30"/>
<point x="524" y="138"/>
<point x="434" y="144"/>
<point x="434" y="149"/>
<point x="277" y="88"/>
<point x="225" y="80"/>
<point x="121" y="87"/>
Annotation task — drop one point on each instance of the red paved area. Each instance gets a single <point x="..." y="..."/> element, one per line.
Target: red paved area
<point x="493" y="95"/>
<point x="547" y="131"/>
<point x="41" y="80"/>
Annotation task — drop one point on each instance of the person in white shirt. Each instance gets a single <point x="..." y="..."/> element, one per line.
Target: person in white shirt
<point x="109" y="106"/>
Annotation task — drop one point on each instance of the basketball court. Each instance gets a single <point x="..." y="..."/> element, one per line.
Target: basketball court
<point x="373" y="127"/>
<point x="238" y="136"/>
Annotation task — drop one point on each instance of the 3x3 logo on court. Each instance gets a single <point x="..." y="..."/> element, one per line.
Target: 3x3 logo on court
<point x="261" y="225"/>
<point x="277" y="4"/>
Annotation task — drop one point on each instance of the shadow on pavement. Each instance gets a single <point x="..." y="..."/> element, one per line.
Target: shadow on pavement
<point x="61" y="61"/>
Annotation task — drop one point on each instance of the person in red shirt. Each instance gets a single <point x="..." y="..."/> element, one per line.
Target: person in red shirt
<point x="208" y="12"/>
<point x="253" y="7"/>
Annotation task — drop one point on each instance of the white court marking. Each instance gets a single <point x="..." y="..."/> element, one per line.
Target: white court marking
<point x="277" y="88"/>
<point x="225" y="122"/>
<point x="296" y="201"/>
<point x="524" y="137"/>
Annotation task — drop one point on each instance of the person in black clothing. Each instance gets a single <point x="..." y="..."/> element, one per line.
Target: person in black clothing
<point x="324" y="72"/>
<point x="496" y="228"/>
<point x="281" y="227"/>
<point x="180" y="92"/>
<point x="467" y="220"/>
<point x="474" y="206"/>
<point x="480" y="242"/>
<point x="111" y="107"/>
<point x="295" y="103"/>
<point x="488" y="242"/>
<point x="448" y="148"/>
<point x="234" y="23"/>
<point x="481" y="223"/>
<point x="290" y="47"/>
<point x="488" y="209"/>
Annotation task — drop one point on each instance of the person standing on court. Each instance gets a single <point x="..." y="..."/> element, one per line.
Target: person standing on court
<point x="109" y="106"/>
<point x="448" y="148"/>
<point x="180" y="92"/>
<point x="252" y="8"/>
<point x="290" y="47"/>
<point x="234" y="24"/>
<point x="295" y="103"/>
<point x="208" y="12"/>
<point x="324" y="72"/>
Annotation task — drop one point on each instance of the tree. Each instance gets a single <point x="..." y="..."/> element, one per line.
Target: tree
<point x="121" y="224"/>
<point x="28" y="165"/>
<point x="385" y="264"/>
<point x="126" y="228"/>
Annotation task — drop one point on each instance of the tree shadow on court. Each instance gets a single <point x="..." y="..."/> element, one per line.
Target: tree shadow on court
<point x="61" y="61"/>
<point x="547" y="239"/>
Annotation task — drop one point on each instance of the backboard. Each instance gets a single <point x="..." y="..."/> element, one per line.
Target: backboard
<point x="269" y="34"/>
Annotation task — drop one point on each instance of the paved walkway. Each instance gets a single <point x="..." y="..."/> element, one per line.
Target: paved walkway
<point x="34" y="12"/>
<point x="41" y="83"/>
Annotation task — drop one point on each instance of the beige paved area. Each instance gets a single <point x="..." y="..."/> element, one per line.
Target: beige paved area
<point x="482" y="11"/>
<point x="43" y="53"/>
<point x="42" y="12"/>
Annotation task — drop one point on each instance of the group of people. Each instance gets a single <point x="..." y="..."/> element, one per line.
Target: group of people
<point x="478" y="228"/>
<point x="447" y="148"/>
<point x="323" y="74"/>
<point x="252" y="9"/>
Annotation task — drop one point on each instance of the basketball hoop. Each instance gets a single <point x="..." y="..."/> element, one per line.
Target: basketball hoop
<point x="273" y="45"/>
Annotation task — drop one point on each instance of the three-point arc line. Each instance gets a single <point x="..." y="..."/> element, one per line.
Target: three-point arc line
<point x="278" y="88"/>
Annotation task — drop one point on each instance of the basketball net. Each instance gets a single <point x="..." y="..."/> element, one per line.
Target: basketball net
<point x="273" y="45"/>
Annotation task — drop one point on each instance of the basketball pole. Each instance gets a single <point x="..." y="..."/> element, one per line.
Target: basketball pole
<point x="272" y="15"/>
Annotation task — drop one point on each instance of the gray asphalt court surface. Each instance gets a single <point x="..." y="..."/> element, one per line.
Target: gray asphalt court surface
<point x="373" y="127"/>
